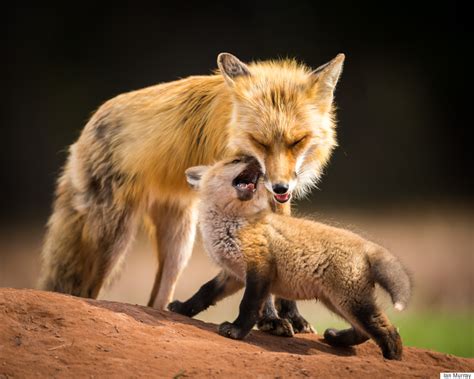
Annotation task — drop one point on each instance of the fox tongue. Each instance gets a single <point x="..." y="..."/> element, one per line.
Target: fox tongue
<point x="247" y="186"/>
<point x="282" y="198"/>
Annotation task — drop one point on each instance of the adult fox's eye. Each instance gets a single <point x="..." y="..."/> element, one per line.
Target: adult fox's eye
<point x="294" y="144"/>
<point x="236" y="161"/>
<point x="261" y="144"/>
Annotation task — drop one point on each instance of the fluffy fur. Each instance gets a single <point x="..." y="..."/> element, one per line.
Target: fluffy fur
<point x="293" y="258"/>
<point x="129" y="162"/>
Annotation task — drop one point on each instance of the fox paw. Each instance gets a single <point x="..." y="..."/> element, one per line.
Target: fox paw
<point x="229" y="330"/>
<point x="288" y="310"/>
<point x="277" y="326"/>
<point x="335" y="338"/>
<point x="181" y="308"/>
<point x="344" y="337"/>
<point x="392" y="347"/>
<point x="300" y="325"/>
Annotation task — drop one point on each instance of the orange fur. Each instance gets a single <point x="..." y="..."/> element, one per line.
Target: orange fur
<point x="130" y="160"/>
<point x="294" y="258"/>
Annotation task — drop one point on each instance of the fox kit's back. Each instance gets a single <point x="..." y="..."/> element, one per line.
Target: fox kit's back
<point x="291" y="258"/>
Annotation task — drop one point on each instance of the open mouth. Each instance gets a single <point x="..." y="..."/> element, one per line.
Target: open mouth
<point x="247" y="181"/>
<point x="282" y="198"/>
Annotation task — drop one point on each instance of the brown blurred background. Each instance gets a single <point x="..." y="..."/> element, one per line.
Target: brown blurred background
<point x="401" y="176"/>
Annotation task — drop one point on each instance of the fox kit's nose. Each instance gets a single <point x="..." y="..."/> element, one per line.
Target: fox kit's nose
<point x="280" y="188"/>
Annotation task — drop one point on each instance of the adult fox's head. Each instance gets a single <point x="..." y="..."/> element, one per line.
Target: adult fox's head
<point x="283" y="116"/>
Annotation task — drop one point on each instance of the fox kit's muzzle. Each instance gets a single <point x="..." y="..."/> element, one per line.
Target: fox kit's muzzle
<point x="247" y="181"/>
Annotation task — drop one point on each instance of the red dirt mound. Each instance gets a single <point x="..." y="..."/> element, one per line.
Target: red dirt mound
<point x="51" y="335"/>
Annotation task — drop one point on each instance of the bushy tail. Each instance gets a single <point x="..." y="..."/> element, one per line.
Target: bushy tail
<point x="388" y="271"/>
<point x="65" y="268"/>
<point x="82" y="246"/>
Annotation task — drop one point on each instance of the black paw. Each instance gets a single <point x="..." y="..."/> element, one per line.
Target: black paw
<point x="392" y="354"/>
<point x="333" y="338"/>
<point x="344" y="337"/>
<point x="229" y="330"/>
<point x="276" y="326"/>
<point x="392" y="347"/>
<point x="300" y="325"/>
<point x="287" y="309"/>
<point x="181" y="308"/>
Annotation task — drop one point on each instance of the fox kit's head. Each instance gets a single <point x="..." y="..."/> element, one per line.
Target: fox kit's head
<point x="283" y="116"/>
<point x="233" y="185"/>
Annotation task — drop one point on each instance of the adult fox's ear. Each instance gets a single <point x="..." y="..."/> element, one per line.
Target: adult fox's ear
<point x="231" y="67"/>
<point x="324" y="80"/>
<point x="194" y="175"/>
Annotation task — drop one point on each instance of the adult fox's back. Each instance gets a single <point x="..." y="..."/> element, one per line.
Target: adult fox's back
<point x="130" y="159"/>
<point x="159" y="131"/>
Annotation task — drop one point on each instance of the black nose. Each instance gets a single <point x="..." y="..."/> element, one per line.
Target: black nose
<point x="280" y="188"/>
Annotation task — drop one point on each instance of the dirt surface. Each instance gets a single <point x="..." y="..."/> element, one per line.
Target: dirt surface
<point x="50" y="335"/>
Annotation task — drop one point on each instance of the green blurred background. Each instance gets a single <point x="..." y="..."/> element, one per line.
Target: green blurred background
<point x="402" y="175"/>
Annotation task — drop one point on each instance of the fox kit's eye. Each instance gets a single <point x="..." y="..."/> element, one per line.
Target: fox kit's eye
<point x="297" y="142"/>
<point x="236" y="161"/>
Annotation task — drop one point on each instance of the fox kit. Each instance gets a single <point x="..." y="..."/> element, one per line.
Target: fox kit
<point x="292" y="258"/>
<point x="128" y="164"/>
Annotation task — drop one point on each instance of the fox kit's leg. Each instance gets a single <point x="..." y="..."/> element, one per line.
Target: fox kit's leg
<point x="220" y="287"/>
<point x="87" y="233"/>
<point x="345" y="337"/>
<point x="367" y="320"/>
<point x="342" y="338"/>
<point x="374" y="322"/>
<point x="174" y="232"/>
<point x="257" y="291"/>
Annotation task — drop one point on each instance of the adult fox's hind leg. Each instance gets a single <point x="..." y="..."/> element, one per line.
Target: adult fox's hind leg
<point x="287" y="309"/>
<point x="272" y="323"/>
<point x="174" y="230"/>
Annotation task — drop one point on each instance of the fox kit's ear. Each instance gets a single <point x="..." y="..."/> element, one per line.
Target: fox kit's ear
<point x="231" y="67"/>
<point x="325" y="77"/>
<point x="194" y="175"/>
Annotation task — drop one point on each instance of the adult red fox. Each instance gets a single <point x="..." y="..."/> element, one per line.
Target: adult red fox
<point x="128" y="165"/>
